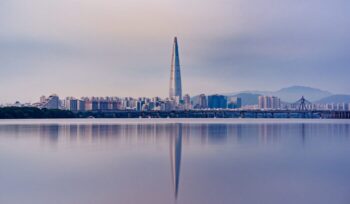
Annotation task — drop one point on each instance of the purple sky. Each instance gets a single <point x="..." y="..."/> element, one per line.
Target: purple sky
<point x="123" y="48"/>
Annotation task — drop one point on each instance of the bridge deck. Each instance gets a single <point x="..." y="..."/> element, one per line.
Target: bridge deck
<point x="222" y="114"/>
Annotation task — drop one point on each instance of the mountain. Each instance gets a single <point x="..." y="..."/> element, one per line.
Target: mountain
<point x="334" y="99"/>
<point x="288" y="94"/>
<point x="294" y="93"/>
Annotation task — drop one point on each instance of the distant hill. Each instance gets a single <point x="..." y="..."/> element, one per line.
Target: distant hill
<point x="294" y="93"/>
<point x="334" y="99"/>
<point x="288" y="94"/>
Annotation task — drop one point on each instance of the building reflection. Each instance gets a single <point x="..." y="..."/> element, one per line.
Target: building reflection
<point x="178" y="136"/>
<point x="191" y="134"/>
<point x="175" y="156"/>
<point x="49" y="134"/>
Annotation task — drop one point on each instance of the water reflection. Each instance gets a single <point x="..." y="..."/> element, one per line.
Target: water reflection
<point x="199" y="134"/>
<point x="49" y="133"/>
<point x="233" y="162"/>
<point x="175" y="156"/>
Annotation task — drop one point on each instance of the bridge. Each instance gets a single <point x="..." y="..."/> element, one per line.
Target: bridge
<point x="224" y="113"/>
<point x="301" y="109"/>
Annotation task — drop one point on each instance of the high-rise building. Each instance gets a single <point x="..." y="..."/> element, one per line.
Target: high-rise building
<point x="275" y="102"/>
<point x="217" y="101"/>
<point x="52" y="102"/>
<point x="203" y="102"/>
<point x="261" y="102"/>
<point x="269" y="102"/>
<point x="71" y="104"/>
<point x="103" y="104"/>
<point x="200" y="102"/>
<point x="81" y="105"/>
<point x="234" y="102"/>
<point x="91" y="104"/>
<point x="175" y="88"/>
<point x="187" y="102"/>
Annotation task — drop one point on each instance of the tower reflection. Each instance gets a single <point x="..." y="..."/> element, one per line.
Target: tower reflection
<point x="175" y="156"/>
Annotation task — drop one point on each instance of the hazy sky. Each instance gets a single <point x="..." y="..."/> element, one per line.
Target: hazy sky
<point x="123" y="47"/>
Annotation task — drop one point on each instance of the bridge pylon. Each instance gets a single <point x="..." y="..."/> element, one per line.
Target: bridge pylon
<point x="302" y="104"/>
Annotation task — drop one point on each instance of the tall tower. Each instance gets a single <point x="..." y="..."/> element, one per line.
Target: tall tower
<point x="175" y="89"/>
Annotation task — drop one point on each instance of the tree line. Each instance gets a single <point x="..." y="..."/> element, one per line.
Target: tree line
<point x="32" y="112"/>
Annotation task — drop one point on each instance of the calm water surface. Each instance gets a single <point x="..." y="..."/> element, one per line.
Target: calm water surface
<point x="175" y="161"/>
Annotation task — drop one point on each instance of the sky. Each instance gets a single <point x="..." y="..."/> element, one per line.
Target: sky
<point x="123" y="47"/>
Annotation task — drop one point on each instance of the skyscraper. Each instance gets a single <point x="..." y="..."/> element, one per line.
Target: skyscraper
<point x="175" y="89"/>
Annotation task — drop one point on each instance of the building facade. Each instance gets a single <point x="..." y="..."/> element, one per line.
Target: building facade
<point x="269" y="102"/>
<point x="234" y="102"/>
<point x="217" y="101"/>
<point x="52" y="102"/>
<point x="175" y="88"/>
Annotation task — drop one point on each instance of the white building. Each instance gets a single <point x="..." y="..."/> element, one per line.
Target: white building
<point x="52" y="102"/>
<point x="269" y="102"/>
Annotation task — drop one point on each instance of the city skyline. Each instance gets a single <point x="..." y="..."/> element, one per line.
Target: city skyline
<point x="96" y="48"/>
<point x="174" y="101"/>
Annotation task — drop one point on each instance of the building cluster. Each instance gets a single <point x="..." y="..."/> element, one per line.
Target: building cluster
<point x="200" y="102"/>
<point x="138" y="104"/>
<point x="175" y="101"/>
<point x="327" y="106"/>
<point x="269" y="103"/>
<point x="274" y="103"/>
<point x="331" y="106"/>
<point x="216" y="102"/>
<point x="107" y="103"/>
